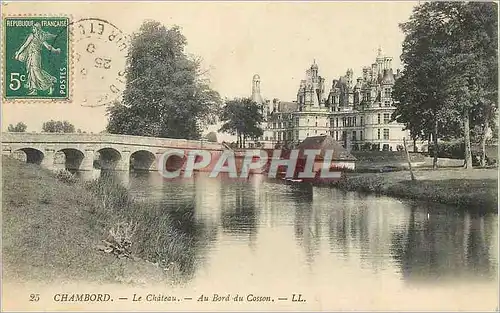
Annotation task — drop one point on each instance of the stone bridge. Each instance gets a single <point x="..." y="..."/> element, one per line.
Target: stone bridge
<point x="77" y="151"/>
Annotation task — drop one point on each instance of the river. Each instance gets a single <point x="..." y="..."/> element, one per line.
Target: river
<point x="340" y="250"/>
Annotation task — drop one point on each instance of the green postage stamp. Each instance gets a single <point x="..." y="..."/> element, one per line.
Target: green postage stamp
<point x="36" y="58"/>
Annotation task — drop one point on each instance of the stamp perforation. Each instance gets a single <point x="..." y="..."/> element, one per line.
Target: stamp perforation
<point x="70" y="60"/>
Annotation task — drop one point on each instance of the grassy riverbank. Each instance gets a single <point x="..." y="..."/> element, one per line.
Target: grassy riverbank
<point x="52" y="229"/>
<point x="476" y="190"/>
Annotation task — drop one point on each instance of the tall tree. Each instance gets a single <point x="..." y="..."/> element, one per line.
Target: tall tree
<point x="242" y="117"/>
<point x="420" y="91"/>
<point x="166" y="94"/>
<point x="447" y="47"/>
<point x="58" y="127"/>
<point x="473" y="34"/>
<point x="19" y="128"/>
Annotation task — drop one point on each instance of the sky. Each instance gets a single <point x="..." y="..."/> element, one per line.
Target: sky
<point x="277" y="40"/>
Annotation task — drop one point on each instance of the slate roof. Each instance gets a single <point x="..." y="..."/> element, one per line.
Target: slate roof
<point x="324" y="143"/>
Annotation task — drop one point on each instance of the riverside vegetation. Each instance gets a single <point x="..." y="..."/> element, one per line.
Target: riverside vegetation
<point x="475" y="190"/>
<point x="58" y="227"/>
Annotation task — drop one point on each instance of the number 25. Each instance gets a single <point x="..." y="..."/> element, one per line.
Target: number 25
<point x="34" y="297"/>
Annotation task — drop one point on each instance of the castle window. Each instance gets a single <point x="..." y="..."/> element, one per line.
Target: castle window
<point x="337" y="122"/>
<point x="378" y="133"/>
<point x="361" y="121"/>
<point x="387" y="118"/>
<point x="353" y="135"/>
<point x="378" y="118"/>
<point x="386" y="133"/>
<point x="336" y="135"/>
<point x="387" y="103"/>
<point x="360" y="135"/>
<point x="387" y="92"/>
<point x="315" y="131"/>
<point x="354" y="121"/>
<point x="316" y="124"/>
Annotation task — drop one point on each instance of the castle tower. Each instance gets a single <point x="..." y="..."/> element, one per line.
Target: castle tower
<point x="256" y="96"/>
<point x="380" y="62"/>
<point x="314" y="69"/>
<point x="349" y="76"/>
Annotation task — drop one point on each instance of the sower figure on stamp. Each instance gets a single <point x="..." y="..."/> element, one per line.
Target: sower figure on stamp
<point x="31" y="54"/>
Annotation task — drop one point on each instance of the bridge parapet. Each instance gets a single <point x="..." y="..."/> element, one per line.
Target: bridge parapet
<point x="82" y="151"/>
<point x="81" y="138"/>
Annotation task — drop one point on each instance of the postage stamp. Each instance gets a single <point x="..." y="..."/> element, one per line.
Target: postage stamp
<point x="36" y="58"/>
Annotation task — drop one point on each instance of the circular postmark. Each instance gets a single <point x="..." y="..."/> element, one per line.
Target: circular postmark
<point x="100" y="51"/>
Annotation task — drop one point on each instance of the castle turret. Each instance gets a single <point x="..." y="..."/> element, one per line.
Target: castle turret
<point x="349" y="77"/>
<point x="366" y="73"/>
<point x="314" y="69"/>
<point x="380" y="62"/>
<point x="256" y="96"/>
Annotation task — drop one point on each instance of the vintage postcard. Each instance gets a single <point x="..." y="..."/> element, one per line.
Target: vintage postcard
<point x="249" y="155"/>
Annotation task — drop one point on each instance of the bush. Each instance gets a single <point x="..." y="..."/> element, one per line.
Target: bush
<point x="141" y="229"/>
<point x="66" y="177"/>
<point x="450" y="150"/>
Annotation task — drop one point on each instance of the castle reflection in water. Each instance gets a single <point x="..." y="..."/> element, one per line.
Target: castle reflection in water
<point x="420" y="242"/>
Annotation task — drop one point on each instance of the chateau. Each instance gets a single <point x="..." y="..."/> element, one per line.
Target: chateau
<point x="356" y="113"/>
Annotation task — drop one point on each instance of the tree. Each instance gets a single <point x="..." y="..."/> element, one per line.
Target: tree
<point x="449" y="56"/>
<point x="211" y="137"/>
<point x="58" y="127"/>
<point x="165" y="94"/>
<point x="19" y="128"/>
<point x="242" y="117"/>
<point x="474" y="88"/>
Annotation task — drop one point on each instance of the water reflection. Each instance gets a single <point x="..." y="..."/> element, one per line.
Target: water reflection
<point x="445" y="246"/>
<point x="238" y="210"/>
<point x="378" y="236"/>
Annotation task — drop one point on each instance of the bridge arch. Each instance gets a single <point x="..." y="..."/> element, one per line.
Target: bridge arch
<point x="142" y="160"/>
<point x="108" y="158"/>
<point x="175" y="162"/>
<point x="29" y="155"/>
<point x="73" y="158"/>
